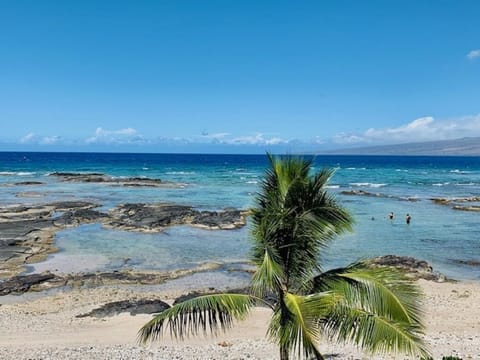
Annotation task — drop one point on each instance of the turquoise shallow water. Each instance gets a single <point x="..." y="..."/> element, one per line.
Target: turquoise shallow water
<point x="437" y="233"/>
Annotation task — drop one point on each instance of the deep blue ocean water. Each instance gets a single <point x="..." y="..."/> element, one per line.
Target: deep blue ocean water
<point x="438" y="234"/>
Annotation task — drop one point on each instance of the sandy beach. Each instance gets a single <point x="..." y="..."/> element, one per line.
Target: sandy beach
<point x="47" y="328"/>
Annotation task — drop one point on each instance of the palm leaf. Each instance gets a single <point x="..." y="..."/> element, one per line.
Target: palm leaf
<point x="389" y="293"/>
<point x="297" y="327"/>
<point x="375" y="333"/>
<point x="377" y="309"/>
<point x="212" y="312"/>
<point x="268" y="277"/>
<point x="296" y="216"/>
<point x="384" y="291"/>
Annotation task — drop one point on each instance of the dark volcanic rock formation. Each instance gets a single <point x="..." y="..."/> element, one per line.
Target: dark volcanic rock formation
<point x="457" y="203"/>
<point x="413" y="268"/>
<point x="155" y="217"/>
<point x="81" y="216"/>
<point x="367" y="193"/>
<point x="134" y="307"/>
<point x="466" y="262"/>
<point x="227" y="219"/>
<point x="26" y="233"/>
<point x="102" y="178"/>
<point x="20" y="284"/>
<point x="28" y="183"/>
<point x="80" y="177"/>
<point x="466" y="208"/>
<point x="148" y="217"/>
<point x="38" y="282"/>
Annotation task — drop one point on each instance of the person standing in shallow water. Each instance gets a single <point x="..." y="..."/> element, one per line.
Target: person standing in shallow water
<point x="408" y="218"/>
<point x="391" y="216"/>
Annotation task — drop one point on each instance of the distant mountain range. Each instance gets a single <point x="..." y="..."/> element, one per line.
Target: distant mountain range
<point x="466" y="146"/>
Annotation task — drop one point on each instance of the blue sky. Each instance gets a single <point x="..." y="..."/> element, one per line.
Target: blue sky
<point x="236" y="76"/>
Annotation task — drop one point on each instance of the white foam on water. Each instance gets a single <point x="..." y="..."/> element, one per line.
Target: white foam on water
<point x="180" y="172"/>
<point x="367" y="184"/>
<point x="457" y="171"/>
<point x="441" y="184"/>
<point x="19" y="173"/>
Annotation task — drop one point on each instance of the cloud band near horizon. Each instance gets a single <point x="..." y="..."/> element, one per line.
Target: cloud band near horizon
<point x="419" y="130"/>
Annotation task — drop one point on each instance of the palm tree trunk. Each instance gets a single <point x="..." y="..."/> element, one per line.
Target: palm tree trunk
<point x="283" y="320"/>
<point x="283" y="353"/>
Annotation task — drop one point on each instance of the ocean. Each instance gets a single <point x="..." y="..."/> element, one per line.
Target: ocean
<point x="370" y="187"/>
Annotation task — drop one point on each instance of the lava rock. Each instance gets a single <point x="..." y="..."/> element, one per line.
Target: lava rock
<point x="134" y="307"/>
<point x="23" y="283"/>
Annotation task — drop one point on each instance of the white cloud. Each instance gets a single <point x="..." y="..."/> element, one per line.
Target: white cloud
<point x="130" y="136"/>
<point x="121" y="136"/>
<point x="216" y="137"/>
<point x="224" y="138"/>
<point x="422" y="129"/>
<point x="257" y="139"/>
<point x="33" y="139"/>
<point x="318" y="140"/>
<point x="50" y="140"/>
<point x="473" y="54"/>
<point x="275" y="141"/>
<point x="344" y="138"/>
<point x="28" y="139"/>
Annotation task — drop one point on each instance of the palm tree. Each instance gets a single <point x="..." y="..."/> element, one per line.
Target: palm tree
<point x="295" y="218"/>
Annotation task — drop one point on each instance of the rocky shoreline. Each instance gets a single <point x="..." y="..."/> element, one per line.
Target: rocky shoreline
<point x="27" y="232"/>
<point x="19" y="284"/>
<point x="455" y="203"/>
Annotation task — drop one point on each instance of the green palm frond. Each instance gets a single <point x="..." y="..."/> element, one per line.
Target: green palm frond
<point x="297" y="217"/>
<point x="208" y="312"/>
<point x="284" y="172"/>
<point x="384" y="291"/>
<point x="268" y="277"/>
<point x="374" y="333"/>
<point x="390" y="293"/>
<point x="297" y="327"/>
<point x="377" y="309"/>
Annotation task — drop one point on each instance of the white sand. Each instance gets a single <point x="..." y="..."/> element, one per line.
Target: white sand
<point x="47" y="328"/>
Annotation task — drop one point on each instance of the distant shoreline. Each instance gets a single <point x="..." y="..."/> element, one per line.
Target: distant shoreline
<point x="309" y="153"/>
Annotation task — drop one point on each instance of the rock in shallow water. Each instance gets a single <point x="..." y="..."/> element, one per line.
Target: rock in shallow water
<point x="106" y="179"/>
<point x="156" y="217"/>
<point x="413" y="268"/>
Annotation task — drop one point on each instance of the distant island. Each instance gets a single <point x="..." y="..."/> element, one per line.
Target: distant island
<point x="459" y="147"/>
